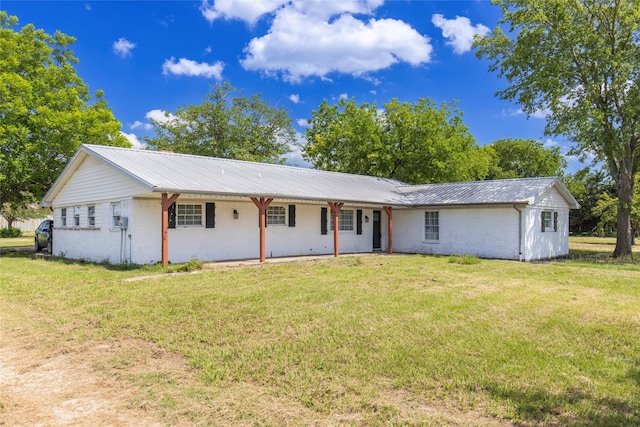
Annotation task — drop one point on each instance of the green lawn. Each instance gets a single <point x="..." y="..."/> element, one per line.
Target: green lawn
<point x="391" y="340"/>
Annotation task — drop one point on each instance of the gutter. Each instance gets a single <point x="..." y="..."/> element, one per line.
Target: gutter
<point x="520" y="254"/>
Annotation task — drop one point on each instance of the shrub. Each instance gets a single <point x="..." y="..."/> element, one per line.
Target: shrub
<point x="10" y="233"/>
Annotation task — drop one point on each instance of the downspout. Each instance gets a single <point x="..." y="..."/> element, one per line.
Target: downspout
<point x="520" y="254"/>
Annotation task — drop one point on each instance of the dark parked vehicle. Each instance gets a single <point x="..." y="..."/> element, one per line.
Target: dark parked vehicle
<point x="44" y="236"/>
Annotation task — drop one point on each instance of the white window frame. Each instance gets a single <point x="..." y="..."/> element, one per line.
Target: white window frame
<point x="116" y="214"/>
<point x="76" y="216"/>
<point x="432" y="226"/>
<point x="549" y="221"/>
<point x="345" y="220"/>
<point x="63" y="217"/>
<point x="91" y="215"/>
<point x="276" y="215"/>
<point x="189" y="215"/>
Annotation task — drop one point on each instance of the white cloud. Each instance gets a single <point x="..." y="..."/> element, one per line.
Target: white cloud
<point x="295" y="98"/>
<point x="511" y="112"/>
<point x="139" y="124"/>
<point x="252" y="11"/>
<point x="249" y="11"/>
<point x="343" y="96"/>
<point x="459" y="32"/>
<point x="123" y="47"/>
<point x="550" y="143"/>
<point x="304" y="41"/>
<point x="133" y="139"/>
<point x="160" y="116"/>
<point x="207" y="49"/>
<point x="187" y="67"/>
<point x="303" y="123"/>
<point x="373" y="92"/>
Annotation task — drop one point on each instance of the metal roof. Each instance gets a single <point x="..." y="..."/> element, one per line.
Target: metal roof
<point x="160" y="171"/>
<point x="504" y="191"/>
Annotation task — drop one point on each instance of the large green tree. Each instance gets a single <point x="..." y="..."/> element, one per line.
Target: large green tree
<point x="524" y="158"/>
<point x="588" y="187"/>
<point x="578" y="60"/>
<point x="227" y="126"/>
<point x="46" y="112"/>
<point x="413" y="142"/>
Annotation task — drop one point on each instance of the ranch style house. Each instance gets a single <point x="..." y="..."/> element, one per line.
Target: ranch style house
<point x="123" y="205"/>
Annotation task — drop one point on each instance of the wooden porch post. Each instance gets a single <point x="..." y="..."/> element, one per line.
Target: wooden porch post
<point x="335" y="208"/>
<point x="166" y="202"/>
<point x="389" y="212"/>
<point x="262" y="204"/>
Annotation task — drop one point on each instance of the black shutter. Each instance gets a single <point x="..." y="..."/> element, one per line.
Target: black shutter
<point x="210" y="215"/>
<point x="542" y="220"/>
<point x="292" y="215"/>
<point x="359" y="221"/>
<point x="172" y="215"/>
<point x="323" y="220"/>
<point x="555" y="221"/>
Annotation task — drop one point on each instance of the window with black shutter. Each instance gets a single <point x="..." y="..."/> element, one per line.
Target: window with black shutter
<point x="172" y="215"/>
<point x="323" y="220"/>
<point x="292" y="215"/>
<point x="359" y="221"/>
<point x="210" y="213"/>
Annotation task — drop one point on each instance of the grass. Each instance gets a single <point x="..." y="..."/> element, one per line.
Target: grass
<point x="366" y="340"/>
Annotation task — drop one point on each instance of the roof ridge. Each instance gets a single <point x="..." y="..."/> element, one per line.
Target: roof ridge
<point x="275" y="165"/>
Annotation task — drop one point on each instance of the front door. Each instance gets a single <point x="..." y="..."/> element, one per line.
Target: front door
<point x="377" y="235"/>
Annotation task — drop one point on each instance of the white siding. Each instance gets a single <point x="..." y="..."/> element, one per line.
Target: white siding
<point x="96" y="181"/>
<point x="550" y="243"/>
<point x="101" y="243"/>
<point x="490" y="232"/>
<point x="240" y="238"/>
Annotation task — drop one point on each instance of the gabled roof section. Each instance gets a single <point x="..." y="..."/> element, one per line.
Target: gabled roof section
<point x="188" y="174"/>
<point x="505" y="191"/>
<point x="161" y="172"/>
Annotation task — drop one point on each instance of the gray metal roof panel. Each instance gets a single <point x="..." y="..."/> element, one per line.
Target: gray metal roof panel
<point x="171" y="172"/>
<point x="505" y="191"/>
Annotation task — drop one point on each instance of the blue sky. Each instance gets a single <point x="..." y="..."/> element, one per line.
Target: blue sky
<point x="155" y="56"/>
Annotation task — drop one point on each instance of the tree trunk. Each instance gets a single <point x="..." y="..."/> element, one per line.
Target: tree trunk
<point x="624" y="235"/>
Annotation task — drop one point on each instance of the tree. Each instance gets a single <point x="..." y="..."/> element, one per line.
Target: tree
<point x="45" y="112"/>
<point x="416" y="143"/>
<point x="606" y="208"/>
<point x="579" y="61"/>
<point x="524" y="158"/>
<point x="228" y="127"/>
<point x="588" y="187"/>
<point x="21" y="212"/>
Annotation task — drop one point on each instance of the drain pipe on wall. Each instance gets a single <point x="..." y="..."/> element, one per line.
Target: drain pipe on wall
<point x="521" y="257"/>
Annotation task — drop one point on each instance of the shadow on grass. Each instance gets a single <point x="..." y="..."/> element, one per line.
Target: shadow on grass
<point x="29" y="253"/>
<point x="572" y="408"/>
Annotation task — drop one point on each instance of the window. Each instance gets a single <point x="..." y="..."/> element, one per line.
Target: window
<point x="549" y="221"/>
<point x="345" y="220"/>
<point x="91" y="216"/>
<point x="276" y="215"/>
<point x="432" y="225"/>
<point x="117" y="214"/>
<point x="63" y="217"/>
<point x="76" y="216"/>
<point x="189" y="215"/>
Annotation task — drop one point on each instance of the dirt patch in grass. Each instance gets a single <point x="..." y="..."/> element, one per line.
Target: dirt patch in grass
<point x="52" y="378"/>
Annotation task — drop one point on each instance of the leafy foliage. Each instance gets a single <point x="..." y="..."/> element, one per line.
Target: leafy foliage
<point x="45" y="111"/>
<point x="10" y="233"/>
<point x="416" y="143"/>
<point x="226" y="126"/>
<point x="524" y="158"/>
<point x="587" y="186"/>
<point x="578" y="61"/>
